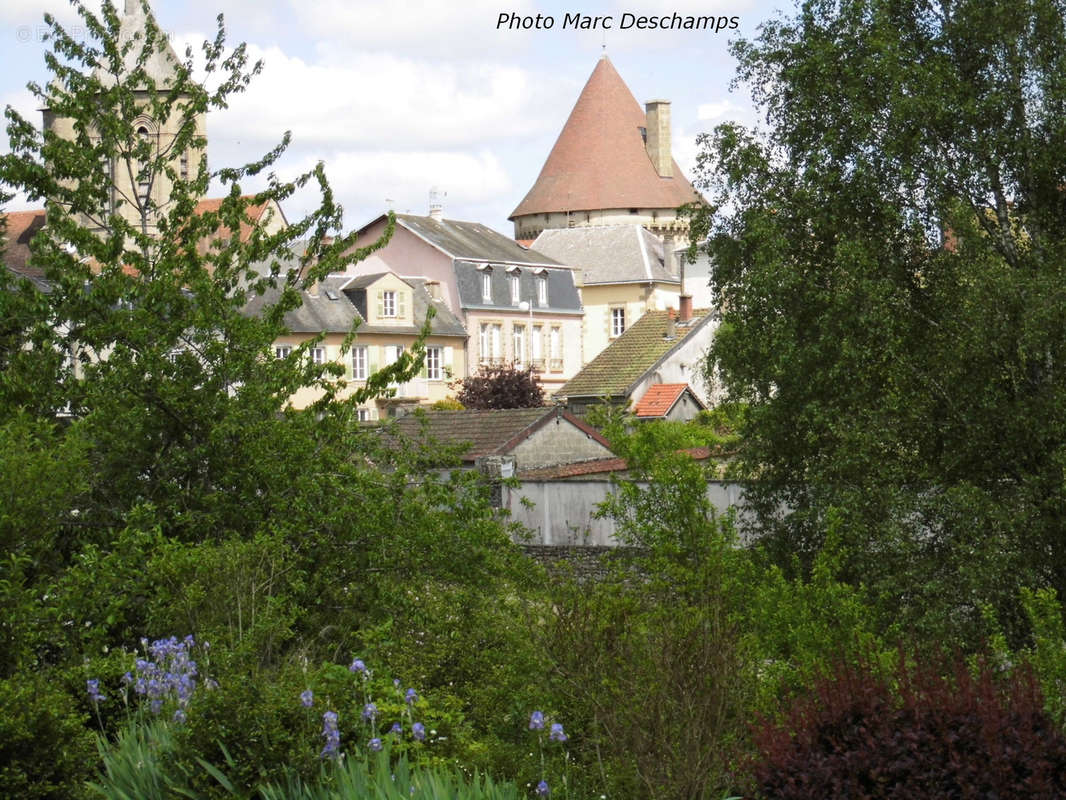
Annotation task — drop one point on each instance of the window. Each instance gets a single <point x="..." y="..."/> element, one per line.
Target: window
<point x="434" y="363"/>
<point x="536" y="348"/>
<point x="486" y="286"/>
<point x="365" y="415"/>
<point x="542" y="290"/>
<point x="144" y="175"/>
<point x="490" y="341"/>
<point x="359" y="363"/>
<point x="183" y="166"/>
<point x="390" y="304"/>
<point x="555" y="349"/>
<point x="318" y="355"/>
<point x="515" y="289"/>
<point x="282" y="350"/>
<point x="518" y="343"/>
<point x="393" y="353"/>
<point x="618" y="321"/>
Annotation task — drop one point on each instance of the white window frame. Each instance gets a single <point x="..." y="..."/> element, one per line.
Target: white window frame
<point x="518" y="344"/>
<point x="318" y="355"/>
<point x="360" y="362"/>
<point x="434" y="363"/>
<point x="516" y="289"/>
<point x="486" y="286"/>
<point x="542" y="290"/>
<point x="364" y="415"/>
<point x="618" y="321"/>
<point x="388" y="303"/>
<point x="555" y="348"/>
<point x="282" y="350"/>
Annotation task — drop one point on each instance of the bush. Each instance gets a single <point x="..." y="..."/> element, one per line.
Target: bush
<point x="931" y="736"/>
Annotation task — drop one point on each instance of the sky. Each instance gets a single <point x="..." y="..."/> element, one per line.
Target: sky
<point x="400" y="97"/>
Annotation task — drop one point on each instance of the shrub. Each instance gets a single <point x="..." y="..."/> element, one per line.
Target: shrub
<point x="914" y="733"/>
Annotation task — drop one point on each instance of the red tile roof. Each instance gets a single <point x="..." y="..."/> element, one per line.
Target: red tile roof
<point x="599" y="160"/>
<point x="21" y="227"/>
<point x="659" y="399"/>
<point x="596" y="467"/>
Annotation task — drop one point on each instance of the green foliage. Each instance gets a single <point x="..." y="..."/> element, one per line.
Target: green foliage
<point x="381" y="777"/>
<point x="640" y="442"/>
<point x="887" y="254"/>
<point x="46" y="751"/>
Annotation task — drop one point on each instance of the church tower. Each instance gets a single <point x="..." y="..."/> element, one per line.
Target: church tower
<point x="611" y="165"/>
<point x="139" y="194"/>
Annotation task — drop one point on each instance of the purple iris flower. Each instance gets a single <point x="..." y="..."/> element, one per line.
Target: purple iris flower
<point x="536" y="721"/>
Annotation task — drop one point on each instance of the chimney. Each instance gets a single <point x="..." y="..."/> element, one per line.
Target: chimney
<point x="433" y="287"/>
<point x="657" y="142"/>
<point x="686" y="307"/>
<point x="669" y="256"/>
<point x="671" y="326"/>
<point x="436" y="204"/>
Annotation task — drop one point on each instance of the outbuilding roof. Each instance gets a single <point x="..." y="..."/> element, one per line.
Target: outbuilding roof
<point x="488" y="432"/>
<point x="619" y="366"/>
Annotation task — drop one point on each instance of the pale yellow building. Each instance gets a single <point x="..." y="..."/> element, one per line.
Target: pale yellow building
<point x="387" y="312"/>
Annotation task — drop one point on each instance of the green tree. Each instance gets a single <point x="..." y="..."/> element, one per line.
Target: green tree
<point x="888" y="252"/>
<point x="158" y="480"/>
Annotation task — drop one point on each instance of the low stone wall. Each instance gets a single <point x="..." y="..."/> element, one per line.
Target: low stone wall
<point x="583" y="562"/>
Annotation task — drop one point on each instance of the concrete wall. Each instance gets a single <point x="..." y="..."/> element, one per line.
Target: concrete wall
<point x="562" y="511"/>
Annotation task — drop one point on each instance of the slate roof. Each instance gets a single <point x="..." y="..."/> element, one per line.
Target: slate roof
<point x="562" y="292"/>
<point x="599" y="160"/>
<point x="624" y="361"/>
<point x="334" y="309"/>
<point x="660" y="398"/>
<point x="488" y="432"/>
<point x="608" y="253"/>
<point x="471" y="241"/>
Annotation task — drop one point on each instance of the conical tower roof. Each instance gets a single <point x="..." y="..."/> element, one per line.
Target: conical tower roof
<point x="599" y="160"/>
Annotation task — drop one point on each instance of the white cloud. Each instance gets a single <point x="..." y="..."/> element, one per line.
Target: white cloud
<point x="410" y="26"/>
<point x="367" y="182"/>
<point x="719" y="109"/>
<point x="419" y="104"/>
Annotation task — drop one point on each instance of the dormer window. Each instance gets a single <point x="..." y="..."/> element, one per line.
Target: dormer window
<point x="542" y="290"/>
<point x="390" y="304"/>
<point x="516" y="285"/>
<point x="486" y="286"/>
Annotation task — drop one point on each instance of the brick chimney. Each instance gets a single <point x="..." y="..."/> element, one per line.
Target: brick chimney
<point x="657" y="113"/>
<point x="686" y="307"/>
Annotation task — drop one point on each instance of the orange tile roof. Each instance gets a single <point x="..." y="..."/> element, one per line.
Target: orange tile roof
<point x="599" y="160"/>
<point x="21" y="227"/>
<point x="659" y="399"/>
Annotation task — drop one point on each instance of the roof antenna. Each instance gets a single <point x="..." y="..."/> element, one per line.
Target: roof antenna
<point x="604" y="45"/>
